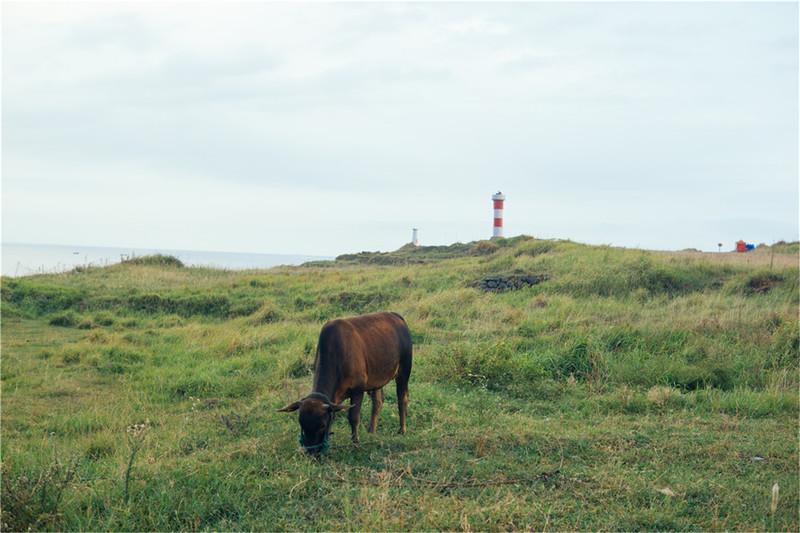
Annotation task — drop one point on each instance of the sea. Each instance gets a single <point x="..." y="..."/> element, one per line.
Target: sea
<point x="23" y="259"/>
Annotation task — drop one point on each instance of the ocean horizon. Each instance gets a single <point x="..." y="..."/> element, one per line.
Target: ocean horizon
<point x="27" y="259"/>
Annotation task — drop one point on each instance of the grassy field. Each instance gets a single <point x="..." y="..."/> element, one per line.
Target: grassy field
<point x="622" y="390"/>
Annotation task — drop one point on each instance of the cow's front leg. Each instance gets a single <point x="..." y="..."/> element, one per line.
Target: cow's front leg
<point x="377" y="402"/>
<point x="354" y="414"/>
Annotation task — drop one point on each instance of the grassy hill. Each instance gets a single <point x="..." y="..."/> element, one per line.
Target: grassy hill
<point x="555" y="386"/>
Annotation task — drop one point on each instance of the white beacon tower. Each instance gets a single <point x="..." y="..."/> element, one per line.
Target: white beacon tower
<point x="415" y="236"/>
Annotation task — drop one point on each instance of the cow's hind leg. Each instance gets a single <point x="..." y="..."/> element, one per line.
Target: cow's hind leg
<point x="377" y="402"/>
<point x="354" y="413"/>
<point x="401" y="381"/>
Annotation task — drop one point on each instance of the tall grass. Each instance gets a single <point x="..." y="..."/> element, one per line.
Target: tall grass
<point x="568" y="404"/>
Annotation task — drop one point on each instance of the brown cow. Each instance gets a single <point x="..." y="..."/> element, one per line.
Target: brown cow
<point x="354" y="356"/>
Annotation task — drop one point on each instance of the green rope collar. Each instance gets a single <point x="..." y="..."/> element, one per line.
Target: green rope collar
<point x="322" y="446"/>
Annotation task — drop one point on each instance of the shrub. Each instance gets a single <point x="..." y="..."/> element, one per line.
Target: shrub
<point x="535" y="248"/>
<point x="755" y="283"/>
<point x="117" y="360"/>
<point x="158" y="260"/>
<point x="644" y="277"/>
<point x="359" y="302"/>
<point x="689" y="377"/>
<point x="575" y="361"/>
<point x="39" y="298"/>
<point x="243" y="308"/>
<point x="493" y="366"/>
<point x="10" y="310"/>
<point x="268" y="313"/>
<point x="207" y="305"/>
<point x="189" y="444"/>
<point x="301" y="303"/>
<point x="660" y="395"/>
<point x="484" y="248"/>
<point x="71" y="357"/>
<point x="99" y="448"/>
<point x="64" y="320"/>
<point x="784" y="349"/>
<point x="763" y="282"/>
<point x="192" y="385"/>
<point x="300" y="367"/>
<point x="104" y="319"/>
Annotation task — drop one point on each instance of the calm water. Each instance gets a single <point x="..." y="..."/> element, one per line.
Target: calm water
<point x="26" y="259"/>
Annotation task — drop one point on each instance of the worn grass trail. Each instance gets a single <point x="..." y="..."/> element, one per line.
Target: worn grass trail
<point x="628" y="391"/>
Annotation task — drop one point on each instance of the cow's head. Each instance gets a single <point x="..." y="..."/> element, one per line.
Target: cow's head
<point x="316" y="417"/>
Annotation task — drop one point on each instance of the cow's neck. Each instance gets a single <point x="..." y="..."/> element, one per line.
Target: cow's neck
<point x="325" y="379"/>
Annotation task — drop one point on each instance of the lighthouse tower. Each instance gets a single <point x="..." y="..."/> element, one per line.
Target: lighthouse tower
<point x="497" y="200"/>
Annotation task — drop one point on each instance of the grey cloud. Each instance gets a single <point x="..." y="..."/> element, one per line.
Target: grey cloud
<point x="599" y="106"/>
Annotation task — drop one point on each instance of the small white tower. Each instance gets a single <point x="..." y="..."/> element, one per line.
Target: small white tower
<point x="498" y="199"/>
<point x="415" y="237"/>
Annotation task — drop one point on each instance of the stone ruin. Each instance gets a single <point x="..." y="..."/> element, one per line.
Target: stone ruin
<point x="510" y="282"/>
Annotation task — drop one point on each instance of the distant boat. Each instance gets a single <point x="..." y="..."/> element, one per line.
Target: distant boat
<point x="75" y="253"/>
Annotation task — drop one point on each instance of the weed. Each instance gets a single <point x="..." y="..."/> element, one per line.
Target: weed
<point x="32" y="499"/>
<point x="135" y="435"/>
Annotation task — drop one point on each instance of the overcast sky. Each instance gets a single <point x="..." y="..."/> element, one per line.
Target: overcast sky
<point x="329" y="128"/>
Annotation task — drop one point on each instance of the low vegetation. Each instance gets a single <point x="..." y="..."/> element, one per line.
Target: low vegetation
<point x="595" y="388"/>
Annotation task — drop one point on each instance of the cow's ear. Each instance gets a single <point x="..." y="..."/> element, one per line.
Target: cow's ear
<point x="333" y="408"/>
<point x="291" y="407"/>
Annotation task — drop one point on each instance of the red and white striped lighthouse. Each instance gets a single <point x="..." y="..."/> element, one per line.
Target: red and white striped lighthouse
<point x="498" y="200"/>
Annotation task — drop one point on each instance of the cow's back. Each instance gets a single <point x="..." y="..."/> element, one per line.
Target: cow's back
<point x="366" y="351"/>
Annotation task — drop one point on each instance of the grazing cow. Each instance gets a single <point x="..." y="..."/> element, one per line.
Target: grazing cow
<point x="354" y="356"/>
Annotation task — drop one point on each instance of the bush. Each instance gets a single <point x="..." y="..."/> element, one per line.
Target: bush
<point x="39" y="298"/>
<point x="157" y="260"/>
<point x="300" y="367"/>
<point x="71" y="357"/>
<point x="268" y="313"/>
<point x="359" y="302"/>
<point x="99" y="448"/>
<point x="784" y="349"/>
<point x="574" y="361"/>
<point x="104" y="319"/>
<point x="760" y="282"/>
<point x="185" y="306"/>
<point x="690" y="377"/>
<point x="535" y="248"/>
<point x="484" y="248"/>
<point x="64" y="320"/>
<point x="117" y="360"/>
<point x="86" y="324"/>
<point x="763" y="282"/>
<point x="495" y="366"/>
<point x="644" y="277"/>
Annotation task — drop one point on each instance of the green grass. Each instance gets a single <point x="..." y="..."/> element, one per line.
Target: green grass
<point x="143" y="396"/>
